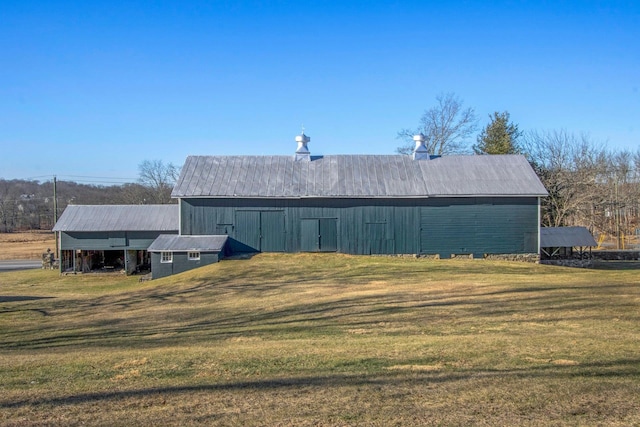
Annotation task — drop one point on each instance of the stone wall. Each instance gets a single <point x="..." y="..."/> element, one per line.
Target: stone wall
<point x="534" y="258"/>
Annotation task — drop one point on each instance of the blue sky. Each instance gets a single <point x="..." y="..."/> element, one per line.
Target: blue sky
<point x="92" y="89"/>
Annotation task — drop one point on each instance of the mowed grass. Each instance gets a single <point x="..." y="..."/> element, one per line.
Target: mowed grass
<point x="303" y="339"/>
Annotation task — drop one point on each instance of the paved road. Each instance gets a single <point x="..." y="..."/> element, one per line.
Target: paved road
<point x="19" y="265"/>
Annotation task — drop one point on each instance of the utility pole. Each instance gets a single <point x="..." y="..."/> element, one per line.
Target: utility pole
<point x="55" y="216"/>
<point x="617" y="217"/>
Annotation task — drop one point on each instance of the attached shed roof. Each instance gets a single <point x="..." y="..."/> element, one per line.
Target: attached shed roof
<point x="353" y="176"/>
<point x="175" y="243"/>
<point x="119" y="218"/>
<point x="565" y="237"/>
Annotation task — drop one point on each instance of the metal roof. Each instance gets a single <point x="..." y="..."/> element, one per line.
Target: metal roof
<point x="565" y="237"/>
<point x="354" y="176"/>
<point x="119" y="218"/>
<point x="175" y="243"/>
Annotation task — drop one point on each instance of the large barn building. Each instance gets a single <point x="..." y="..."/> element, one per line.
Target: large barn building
<point x="363" y="204"/>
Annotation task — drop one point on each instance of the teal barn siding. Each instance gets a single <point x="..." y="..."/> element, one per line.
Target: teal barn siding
<point x="181" y="263"/>
<point x="108" y="240"/>
<point x="479" y="226"/>
<point x="444" y="226"/>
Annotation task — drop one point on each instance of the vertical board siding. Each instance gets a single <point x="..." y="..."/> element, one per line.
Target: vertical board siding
<point x="309" y="235"/>
<point x="328" y="230"/>
<point x="181" y="263"/>
<point x="486" y="226"/>
<point x="247" y="231"/>
<point x="272" y="231"/>
<point x="481" y="225"/>
<point x="103" y="240"/>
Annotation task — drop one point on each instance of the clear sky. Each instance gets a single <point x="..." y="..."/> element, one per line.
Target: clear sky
<point x="93" y="88"/>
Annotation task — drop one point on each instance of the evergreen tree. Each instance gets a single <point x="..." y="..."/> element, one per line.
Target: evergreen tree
<point x="499" y="137"/>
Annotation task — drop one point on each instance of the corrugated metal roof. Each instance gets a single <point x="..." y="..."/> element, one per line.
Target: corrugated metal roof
<point x="565" y="237"/>
<point x="349" y="176"/>
<point x="119" y="218"/>
<point x="175" y="243"/>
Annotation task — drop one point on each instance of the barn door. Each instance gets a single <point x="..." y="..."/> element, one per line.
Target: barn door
<point x="376" y="236"/>
<point x="272" y="231"/>
<point x="328" y="234"/>
<point x="309" y="235"/>
<point x="248" y="230"/>
<point x="261" y="231"/>
<point x="319" y="235"/>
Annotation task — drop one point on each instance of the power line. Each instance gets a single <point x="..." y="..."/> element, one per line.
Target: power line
<point x="98" y="177"/>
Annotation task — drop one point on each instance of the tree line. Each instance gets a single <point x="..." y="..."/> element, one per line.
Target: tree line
<point x="588" y="184"/>
<point x="29" y="204"/>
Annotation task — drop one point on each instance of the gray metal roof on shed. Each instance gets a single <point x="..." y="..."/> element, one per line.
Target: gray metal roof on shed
<point x="357" y="176"/>
<point x="565" y="237"/>
<point x="119" y="218"/>
<point x="175" y="243"/>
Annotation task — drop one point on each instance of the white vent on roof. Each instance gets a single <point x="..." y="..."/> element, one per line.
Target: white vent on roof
<point x="302" y="153"/>
<point x="420" y="152"/>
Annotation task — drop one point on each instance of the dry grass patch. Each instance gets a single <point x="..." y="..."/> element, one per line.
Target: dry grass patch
<point x="323" y="340"/>
<point x="26" y="245"/>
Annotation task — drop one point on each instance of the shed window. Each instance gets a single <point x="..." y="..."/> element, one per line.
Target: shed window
<point x="166" y="257"/>
<point x="194" y="256"/>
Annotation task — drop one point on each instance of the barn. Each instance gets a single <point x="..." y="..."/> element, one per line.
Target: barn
<point x="364" y="204"/>
<point x="112" y="237"/>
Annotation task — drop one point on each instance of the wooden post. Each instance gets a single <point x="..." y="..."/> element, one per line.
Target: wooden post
<point x="55" y="216"/>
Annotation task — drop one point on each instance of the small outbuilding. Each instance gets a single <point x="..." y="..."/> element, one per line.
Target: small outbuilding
<point x="566" y="243"/>
<point x="171" y="254"/>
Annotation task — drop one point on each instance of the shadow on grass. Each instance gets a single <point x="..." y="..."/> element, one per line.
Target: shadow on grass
<point x="17" y="298"/>
<point x="619" y="368"/>
<point x="616" y="265"/>
<point x="184" y="324"/>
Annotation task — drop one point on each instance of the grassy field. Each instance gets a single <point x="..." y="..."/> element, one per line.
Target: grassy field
<point x="27" y="245"/>
<point x="295" y="340"/>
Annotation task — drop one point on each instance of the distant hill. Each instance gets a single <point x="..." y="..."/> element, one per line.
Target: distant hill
<point x="28" y="204"/>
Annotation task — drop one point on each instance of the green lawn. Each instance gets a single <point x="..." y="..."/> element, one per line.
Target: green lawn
<point x="323" y="340"/>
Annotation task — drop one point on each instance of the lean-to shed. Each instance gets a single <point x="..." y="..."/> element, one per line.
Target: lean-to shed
<point x="565" y="242"/>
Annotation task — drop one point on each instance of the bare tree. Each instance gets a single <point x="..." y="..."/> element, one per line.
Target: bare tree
<point x="621" y="196"/>
<point x="7" y="206"/>
<point x="160" y="178"/>
<point x="571" y="168"/>
<point x="447" y="127"/>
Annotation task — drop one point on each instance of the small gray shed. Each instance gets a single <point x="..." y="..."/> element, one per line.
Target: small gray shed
<point x="171" y="254"/>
